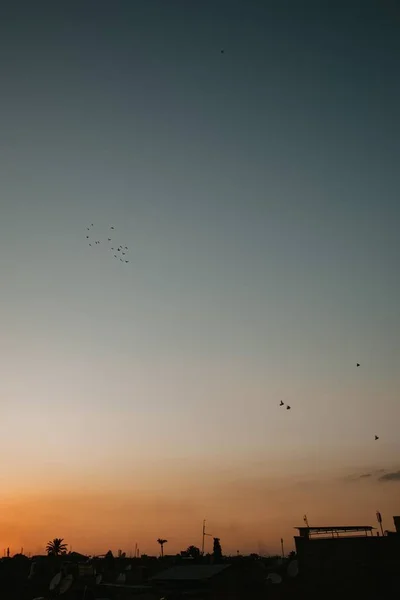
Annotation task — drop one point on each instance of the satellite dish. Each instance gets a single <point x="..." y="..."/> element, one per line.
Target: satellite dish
<point x="121" y="578"/>
<point x="66" y="584"/>
<point x="55" y="581"/>
<point x="293" y="568"/>
<point x="32" y="570"/>
<point x="99" y="577"/>
<point x="274" y="578"/>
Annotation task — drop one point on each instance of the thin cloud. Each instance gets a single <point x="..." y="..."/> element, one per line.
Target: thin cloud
<point x="394" y="476"/>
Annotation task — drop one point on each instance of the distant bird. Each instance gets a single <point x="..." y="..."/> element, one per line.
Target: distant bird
<point x="127" y="261"/>
<point x="288" y="407"/>
<point x="112" y="248"/>
<point x="109" y="239"/>
<point x="358" y="364"/>
<point x="87" y="237"/>
<point x="87" y="228"/>
<point x="92" y="225"/>
<point x="90" y="244"/>
<point x="123" y="254"/>
<point x="282" y="403"/>
<point x="376" y="438"/>
<point x="222" y="51"/>
<point x="118" y="249"/>
<point x="115" y="256"/>
<point x="126" y="247"/>
<point x="111" y="227"/>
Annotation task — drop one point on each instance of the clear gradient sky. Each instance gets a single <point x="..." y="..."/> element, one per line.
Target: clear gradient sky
<point x="258" y="193"/>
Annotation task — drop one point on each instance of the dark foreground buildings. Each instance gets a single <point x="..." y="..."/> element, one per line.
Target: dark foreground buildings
<point x="352" y="558"/>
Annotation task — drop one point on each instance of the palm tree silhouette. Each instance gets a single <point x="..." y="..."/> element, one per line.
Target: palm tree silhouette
<point x="162" y="542"/>
<point x="56" y="547"/>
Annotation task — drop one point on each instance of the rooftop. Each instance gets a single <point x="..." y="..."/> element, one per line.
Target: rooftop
<point x="305" y="531"/>
<point x="190" y="573"/>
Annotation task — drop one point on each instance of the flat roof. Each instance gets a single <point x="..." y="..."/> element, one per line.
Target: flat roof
<point x="190" y="572"/>
<point x="336" y="528"/>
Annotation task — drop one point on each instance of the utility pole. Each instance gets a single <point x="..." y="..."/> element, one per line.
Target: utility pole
<point x="283" y="553"/>
<point x="204" y="534"/>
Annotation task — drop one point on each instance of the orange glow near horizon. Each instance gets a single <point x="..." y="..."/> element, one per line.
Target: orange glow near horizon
<point x="249" y="512"/>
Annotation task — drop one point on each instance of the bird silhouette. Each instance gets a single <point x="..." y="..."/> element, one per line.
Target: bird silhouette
<point x="87" y="237"/>
<point x="111" y="227"/>
<point x="282" y="403"/>
<point x="92" y="225"/>
<point x="358" y="364"/>
<point x="118" y="249"/>
<point x="109" y="239"/>
<point x="90" y="244"/>
<point x="222" y="51"/>
<point x="127" y="261"/>
<point x="376" y="438"/>
<point x="288" y="407"/>
<point x="115" y="256"/>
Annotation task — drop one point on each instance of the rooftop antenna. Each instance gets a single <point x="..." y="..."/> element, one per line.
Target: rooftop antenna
<point x="283" y="553"/>
<point x="379" y="519"/>
<point x="204" y="534"/>
<point x="306" y="521"/>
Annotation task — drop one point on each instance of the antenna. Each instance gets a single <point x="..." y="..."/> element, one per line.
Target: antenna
<point x="306" y="521"/>
<point x="283" y="553"/>
<point x="204" y="534"/>
<point x="379" y="519"/>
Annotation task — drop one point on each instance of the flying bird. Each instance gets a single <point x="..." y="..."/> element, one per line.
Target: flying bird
<point x="127" y="261"/>
<point x="111" y="227"/>
<point x="222" y="51"/>
<point x="288" y="407"/>
<point x="358" y="364"/>
<point x="109" y="239"/>
<point x="282" y="403"/>
<point x="376" y="438"/>
<point x="87" y="237"/>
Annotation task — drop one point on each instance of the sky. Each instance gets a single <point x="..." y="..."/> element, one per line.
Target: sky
<point x="256" y="190"/>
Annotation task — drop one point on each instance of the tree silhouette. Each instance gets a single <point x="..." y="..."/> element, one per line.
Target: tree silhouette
<point x="162" y="542"/>
<point x="217" y="550"/>
<point x="193" y="551"/>
<point x="56" y="547"/>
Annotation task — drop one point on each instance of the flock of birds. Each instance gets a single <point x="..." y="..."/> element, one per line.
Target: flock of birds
<point x="119" y="252"/>
<point x="288" y="408"/>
